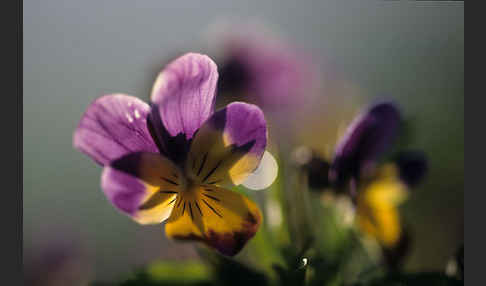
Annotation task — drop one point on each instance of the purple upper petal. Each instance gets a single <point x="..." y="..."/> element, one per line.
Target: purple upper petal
<point x="184" y="94"/>
<point x="243" y="123"/>
<point x="113" y="126"/>
<point x="368" y="136"/>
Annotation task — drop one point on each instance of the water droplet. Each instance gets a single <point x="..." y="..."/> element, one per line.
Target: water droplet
<point x="304" y="262"/>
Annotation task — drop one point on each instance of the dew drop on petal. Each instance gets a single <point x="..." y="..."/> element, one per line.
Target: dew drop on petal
<point x="136" y="113"/>
<point x="264" y="175"/>
<point x="129" y="117"/>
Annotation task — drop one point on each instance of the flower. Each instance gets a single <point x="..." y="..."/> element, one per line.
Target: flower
<point x="171" y="160"/>
<point x="260" y="68"/>
<point x="378" y="189"/>
<point x="58" y="260"/>
<point x="365" y="140"/>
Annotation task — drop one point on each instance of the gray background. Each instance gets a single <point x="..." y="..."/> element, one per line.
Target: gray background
<point x="76" y="51"/>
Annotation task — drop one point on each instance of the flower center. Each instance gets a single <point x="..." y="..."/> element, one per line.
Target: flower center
<point x="189" y="183"/>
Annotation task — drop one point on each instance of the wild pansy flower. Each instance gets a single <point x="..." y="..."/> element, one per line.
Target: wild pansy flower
<point x="369" y="135"/>
<point x="377" y="189"/>
<point x="258" y="67"/>
<point x="171" y="159"/>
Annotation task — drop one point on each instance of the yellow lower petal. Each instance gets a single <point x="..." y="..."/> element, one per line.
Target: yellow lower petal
<point x="377" y="209"/>
<point x="222" y="219"/>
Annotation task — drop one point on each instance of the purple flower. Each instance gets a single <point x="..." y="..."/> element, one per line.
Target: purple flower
<point x="366" y="139"/>
<point x="59" y="261"/>
<point x="265" y="71"/>
<point x="170" y="160"/>
<point x="377" y="189"/>
<point x="358" y="151"/>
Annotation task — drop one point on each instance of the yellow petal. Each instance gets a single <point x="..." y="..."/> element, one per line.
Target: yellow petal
<point x="156" y="208"/>
<point x="142" y="185"/>
<point x="220" y="218"/>
<point x="377" y="209"/>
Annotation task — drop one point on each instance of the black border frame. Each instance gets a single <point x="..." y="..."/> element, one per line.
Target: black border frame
<point x="12" y="82"/>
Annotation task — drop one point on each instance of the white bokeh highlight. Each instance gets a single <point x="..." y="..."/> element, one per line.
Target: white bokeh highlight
<point x="264" y="176"/>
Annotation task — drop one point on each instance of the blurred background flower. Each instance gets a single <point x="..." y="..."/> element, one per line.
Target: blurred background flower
<point x="260" y="67"/>
<point x="57" y="259"/>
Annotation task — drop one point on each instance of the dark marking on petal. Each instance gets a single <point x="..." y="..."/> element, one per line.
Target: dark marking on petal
<point x="232" y="243"/>
<point x="212" y="171"/>
<point x="180" y="202"/>
<point x="197" y="205"/>
<point x="157" y="140"/>
<point x="202" y="164"/>
<point x="211" y="197"/>
<point x="172" y="201"/>
<point x="212" y="208"/>
<point x="190" y="211"/>
<point x="169" y="181"/>
<point x="215" y="182"/>
<point x="209" y="190"/>
<point x="250" y="218"/>
<point x="193" y="163"/>
<point x="155" y="200"/>
<point x="169" y="192"/>
<point x="243" y="149"/>
<point x="183" y="208"/>
<point x="175" y="147"/>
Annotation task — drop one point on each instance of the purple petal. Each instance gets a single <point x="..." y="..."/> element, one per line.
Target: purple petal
<point x="113" y="126"/>
<point x="142" y="185"/>
<point x="230" y="145"/>
<point x="173" y="147"/>
<point x="184" y="94"/>
<point x="122" y="189"/>
<point x="243" y="123"/>
<point x="272" y="73"/>
<point x="413" y="167"/>
<point x="368" y="136"/>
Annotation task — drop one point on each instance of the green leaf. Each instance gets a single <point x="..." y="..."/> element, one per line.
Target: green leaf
<point x="425" y="279"/>
<point x="228" y="271"/>
<point x="171" y="273"/>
